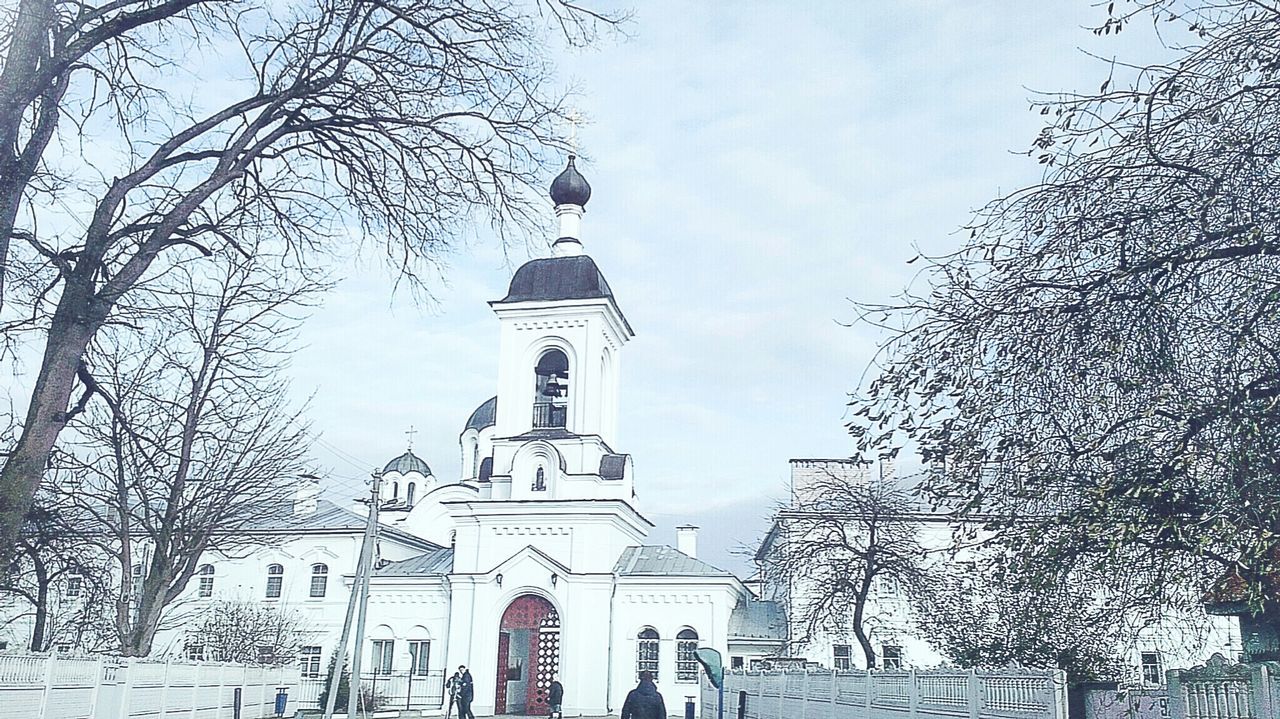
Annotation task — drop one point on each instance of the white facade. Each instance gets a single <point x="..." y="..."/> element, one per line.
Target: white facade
<point x="1177" y="641"/>
<point x="545" y="508"/>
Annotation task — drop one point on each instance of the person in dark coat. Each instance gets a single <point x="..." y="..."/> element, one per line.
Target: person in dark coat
<point x="451" y="688"/>
<point x="556" y="696"/>
<point x="644" y="702"/>
<point x="466" y="692"/>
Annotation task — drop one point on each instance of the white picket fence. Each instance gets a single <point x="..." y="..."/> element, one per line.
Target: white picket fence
<point x="39" y="686"/>
<point x="927" y="694"/>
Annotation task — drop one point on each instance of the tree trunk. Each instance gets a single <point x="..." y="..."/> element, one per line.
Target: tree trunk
<point x="38" y="639"/>
<point x="75" y="321"/>
<point x="863" y="640"/>
<point x="28" y="49"/>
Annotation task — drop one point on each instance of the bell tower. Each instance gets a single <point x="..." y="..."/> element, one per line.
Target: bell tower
<point x="560" y="342"/>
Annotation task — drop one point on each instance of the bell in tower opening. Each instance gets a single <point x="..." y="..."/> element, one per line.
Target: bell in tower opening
<point x="551" y="390"/>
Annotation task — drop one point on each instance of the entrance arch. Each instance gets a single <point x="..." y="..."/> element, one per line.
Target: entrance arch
<point x="528" y="656"/>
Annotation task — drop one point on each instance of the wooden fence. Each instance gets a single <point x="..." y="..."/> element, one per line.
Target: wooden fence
<point x="927" y="694"/>
<point x="58" y="687"/>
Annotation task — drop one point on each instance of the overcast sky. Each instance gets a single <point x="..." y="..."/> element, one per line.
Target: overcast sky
<point x="754" y="166"/>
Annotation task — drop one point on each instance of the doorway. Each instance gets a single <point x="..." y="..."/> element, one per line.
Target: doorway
<point x="528" y="656"/>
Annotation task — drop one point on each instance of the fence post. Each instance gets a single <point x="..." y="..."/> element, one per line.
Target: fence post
<point x="126" y="688"/>
<point x="804" y="694"/>
<point x="835" y="695"/>
<point x="97" y="687"/>
<point x="782" y="694"/>
<point x="913" y="693"/>
<point x="48" y="682"/>
<point x="1177" y="706"/>
<point x="975" y="694"/>
<point x="1260" y="689"/>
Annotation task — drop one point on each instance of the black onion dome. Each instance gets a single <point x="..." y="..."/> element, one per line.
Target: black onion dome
<point x="485" y="415"/>
<point x="570" y="187"/>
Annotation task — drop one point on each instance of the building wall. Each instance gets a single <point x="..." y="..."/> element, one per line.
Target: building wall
<point x="1180" y="640"/>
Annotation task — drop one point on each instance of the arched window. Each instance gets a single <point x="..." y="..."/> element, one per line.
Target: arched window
<point x="275" y="581"/>
<point x="395" y="491"/>
<point x="319" y="579"/>
<point x="475" y="459"/>
<point x="205" y="588"/>
<point x="686" y="657"/>
<point x="551" y="390"/>
<point x="408" y="495"/>
<point x="540" y="481"/>
<point x="647" y="652"/>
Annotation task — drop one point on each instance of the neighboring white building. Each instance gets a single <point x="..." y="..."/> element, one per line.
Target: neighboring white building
<point x="533" y="563"/>
<point x="1169" y="643"/>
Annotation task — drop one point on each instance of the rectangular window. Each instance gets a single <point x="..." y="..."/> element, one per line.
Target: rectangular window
<point x="309" y="661"/>
<point x="735" y="662"/>
<point x="891" y="657"/>
<point x="63" y="648"/>
<point x="319" y="583"/>
<point x="274" y="585"/>
<point x="206" y="586"/>
<point x="419" y="657"/>
<point x="74" y="585"/>
<point x="1152" y="669"/>
<point x="383" y="649"/>
<point x="193" y="652"/>
<point x="841" y="655"/>
<point x="266" y="655"/>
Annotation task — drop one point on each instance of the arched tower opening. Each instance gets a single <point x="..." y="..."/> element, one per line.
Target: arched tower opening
<point x="551" y="390"/>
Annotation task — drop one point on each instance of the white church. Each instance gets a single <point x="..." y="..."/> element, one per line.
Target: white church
<point x="531" y="565"/>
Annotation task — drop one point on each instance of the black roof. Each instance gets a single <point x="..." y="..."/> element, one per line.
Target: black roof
<point x="406" y="463"/>
<point x="574" y="277"/>
<point x="613" y="466"/>
<point x="484" y="416"/>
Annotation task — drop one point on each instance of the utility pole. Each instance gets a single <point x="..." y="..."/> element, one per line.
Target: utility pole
<point x="362" y="609"/>
<point x="363" y="567"/>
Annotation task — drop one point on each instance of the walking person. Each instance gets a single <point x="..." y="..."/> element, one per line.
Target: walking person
<point x="466" y="692"/>
<point x="644" y="702"/>
<point x="557" y="698"/>
<point x="451" y="688"/>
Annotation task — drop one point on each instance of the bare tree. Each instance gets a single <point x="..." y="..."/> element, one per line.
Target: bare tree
<point x="826" y="556"/>
<point x="1099" y="364"/>
<point x="398" y="122"/>
<point x="194" y="444"/>
<point x="62" y="575"/>
<point x="249" y="633"/>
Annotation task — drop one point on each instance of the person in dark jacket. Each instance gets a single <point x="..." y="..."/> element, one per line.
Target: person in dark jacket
<point x="556" y="696"/>
<point x="451" y="689"/>
<point x="466" y="692"/>
<point x="644" y="702"/>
